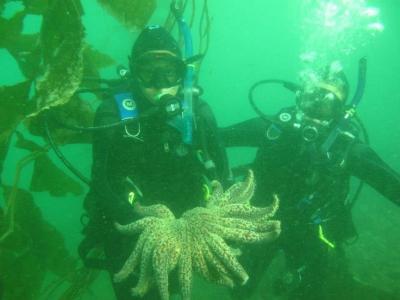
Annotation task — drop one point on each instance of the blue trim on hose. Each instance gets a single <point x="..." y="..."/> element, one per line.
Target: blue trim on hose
<point x="187" y="104"/>
<point x="343" y="123"/>
<point x="362" y="74"/>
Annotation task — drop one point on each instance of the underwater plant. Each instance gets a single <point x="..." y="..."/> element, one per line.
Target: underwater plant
<point x="31" y="249"/>
<point x="58" y="64"/>
<point x="131" y="13"/>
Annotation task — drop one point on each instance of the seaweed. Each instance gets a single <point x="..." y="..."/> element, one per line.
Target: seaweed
<point x="93" y="61"/>
<point x="27" y="52"/>
<point x="34" y="247"/>
<point x="10" y="28"/>
<point x="4" y="145"/>
<point x="79" y="284"/>
<point x="77" y="112"/>
<point x="96" y="59"/>
<point x="131" y="13"/>
<point x="62" y="45"/>
<point x="36" y="7"/>
<point x="23" y="47"/>
<point x="11" y="202"/>
<point x="61" y="64"/>
<point x="14" y="105"/>
<point x="47" y="177"/>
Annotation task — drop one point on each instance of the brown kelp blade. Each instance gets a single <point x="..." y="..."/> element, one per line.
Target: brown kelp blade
<point x="26" y="51"/>
<point x="97" y="59"/>
<point x="11" y="28"/>
<point x="131" y="13"/>
<point x="34" y="247"/>
<point x="36" y="7"/>
<point x="14" y="106"/>
<point x="77" y="112"/>
<point x="62" y="44"/>
<point x="23" y="47"/>
<point x="47" y="177"/>
<point x="93" y="61"/>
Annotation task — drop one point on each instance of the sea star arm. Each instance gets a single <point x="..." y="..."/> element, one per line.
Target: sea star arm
<point x="137" y="226"/>
<point x="132" y="261"/>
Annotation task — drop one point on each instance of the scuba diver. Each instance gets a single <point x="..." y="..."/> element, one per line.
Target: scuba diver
<point x="306" y="155"/>
<point x="166" y="151"/>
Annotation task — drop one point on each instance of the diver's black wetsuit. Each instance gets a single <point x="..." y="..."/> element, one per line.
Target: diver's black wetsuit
<point x="313" y="195"/>
<point x="154" y="159"/>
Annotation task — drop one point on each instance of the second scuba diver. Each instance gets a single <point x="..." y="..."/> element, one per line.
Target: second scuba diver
<point x="307" y="155"/>
<point x="156" y="158"/>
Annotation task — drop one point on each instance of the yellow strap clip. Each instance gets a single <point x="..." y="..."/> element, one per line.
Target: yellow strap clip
<point x="206" y="191"/>
<point x="323" y="238"/>
<point x="131" y="198"/>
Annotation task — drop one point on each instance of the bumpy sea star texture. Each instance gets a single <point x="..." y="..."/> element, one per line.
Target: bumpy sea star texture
<point x="198" y="241"/>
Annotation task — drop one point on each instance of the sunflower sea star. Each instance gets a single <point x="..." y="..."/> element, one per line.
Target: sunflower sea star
<point x="198" y="241"/>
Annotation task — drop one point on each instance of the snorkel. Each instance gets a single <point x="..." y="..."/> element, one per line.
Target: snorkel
<point x="344" y="122"/>
<point x="187" y="103"/>
<point x="362" y="73"/>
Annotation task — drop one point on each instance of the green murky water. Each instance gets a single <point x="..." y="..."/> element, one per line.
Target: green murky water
<point x="249" y="41"/>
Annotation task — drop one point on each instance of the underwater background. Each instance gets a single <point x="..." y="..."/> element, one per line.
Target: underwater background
<point x="249" y="41"/>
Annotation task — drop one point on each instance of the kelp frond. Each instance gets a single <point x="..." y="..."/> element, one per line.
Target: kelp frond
<point x="62" y="43"/>
<point x="34" y="247"/>
<point x="14" y="106"/>
<point x="131" y="13"/>
<point x="47" y="177"/>
<point x="36" y="7"/>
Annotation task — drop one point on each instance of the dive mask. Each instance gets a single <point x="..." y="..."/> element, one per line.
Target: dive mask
<point x="159" y="70"/>
<point x="321" y="103"/>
